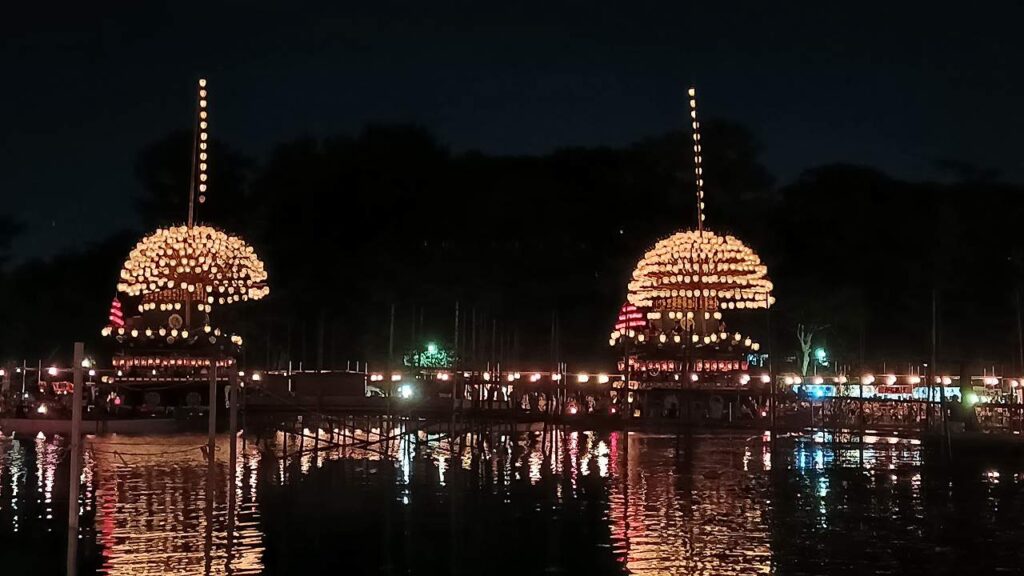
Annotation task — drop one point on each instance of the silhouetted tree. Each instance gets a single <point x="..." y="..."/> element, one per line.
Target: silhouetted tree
<point x="10" y="228"/>
<point x="537" y="250"/>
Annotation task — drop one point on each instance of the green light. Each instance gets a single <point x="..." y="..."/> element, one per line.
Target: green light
<point x="971" y="398"/>
<point x="820" y="354"/>
<point x="432" y="355"/>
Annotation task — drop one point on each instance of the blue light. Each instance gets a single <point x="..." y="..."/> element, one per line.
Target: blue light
<point x="819" y="393"/>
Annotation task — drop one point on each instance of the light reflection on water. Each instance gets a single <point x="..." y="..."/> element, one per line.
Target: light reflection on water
<point x="143" y="506"/>
<point x="687" y="506"/>
<point x="514" y="503"/>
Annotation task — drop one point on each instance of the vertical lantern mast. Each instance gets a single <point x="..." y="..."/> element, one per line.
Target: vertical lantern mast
<point x="199" y="181"/>
<point x="198" y="184"/>
<point x="698" y="169"/>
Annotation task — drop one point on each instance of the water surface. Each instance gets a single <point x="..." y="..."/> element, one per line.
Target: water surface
<point x="497" y="502"/>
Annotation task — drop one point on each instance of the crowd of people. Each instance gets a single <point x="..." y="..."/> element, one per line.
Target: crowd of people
<point x="840" y="412"/>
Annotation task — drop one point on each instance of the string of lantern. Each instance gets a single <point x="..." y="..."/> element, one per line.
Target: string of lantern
<point x="499" y="376"/>
<point x="717" y="339"/>
<point x="200" y="156"/>
<point x="698" y="269"/>
<point x="123" y="362"/>
<point x="698" y="169"/>
<point x="170" y="334"/>
<point x="707" y="368"/>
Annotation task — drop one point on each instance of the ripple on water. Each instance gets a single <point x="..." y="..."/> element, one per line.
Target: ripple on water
<point x="560" y="501"/>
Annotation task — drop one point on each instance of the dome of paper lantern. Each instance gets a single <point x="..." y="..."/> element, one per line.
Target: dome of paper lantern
<point x="201" y="261"/>
<point x="700" y="270"/>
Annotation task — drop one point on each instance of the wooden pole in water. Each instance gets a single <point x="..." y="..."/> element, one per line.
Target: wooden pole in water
<point x="233" y="397"/>
<point x="317" y="423"/>
<point x="75" y="473"/>
<point x="284" y="456"/>
<point x="455" y="363"/>
<point x="210" y="467"/>
<point x="942" y="385"/>
<point x="320" y="340"/>
<point x="241" y="400"/>
<point x="1020" y="336"/>
<point x="212" y="424"/>
<point x="391" y="338"/>
<point x="772" y="397"/>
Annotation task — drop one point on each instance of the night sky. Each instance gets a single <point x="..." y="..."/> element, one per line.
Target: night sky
<point x="884" y="84"/>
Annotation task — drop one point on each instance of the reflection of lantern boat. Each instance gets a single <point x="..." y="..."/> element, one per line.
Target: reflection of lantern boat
<point x="671" y="331"/>
<point x="171" y="281"/>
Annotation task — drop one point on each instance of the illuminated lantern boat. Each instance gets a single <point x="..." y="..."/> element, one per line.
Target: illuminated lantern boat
<point x="671" y="332"/>
<point x="168" y="347"/>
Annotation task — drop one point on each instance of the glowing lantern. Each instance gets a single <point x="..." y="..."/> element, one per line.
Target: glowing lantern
<point x="730" y="273"/>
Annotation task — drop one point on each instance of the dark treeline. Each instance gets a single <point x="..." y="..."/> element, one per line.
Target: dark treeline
<point x="536" y="250"/>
